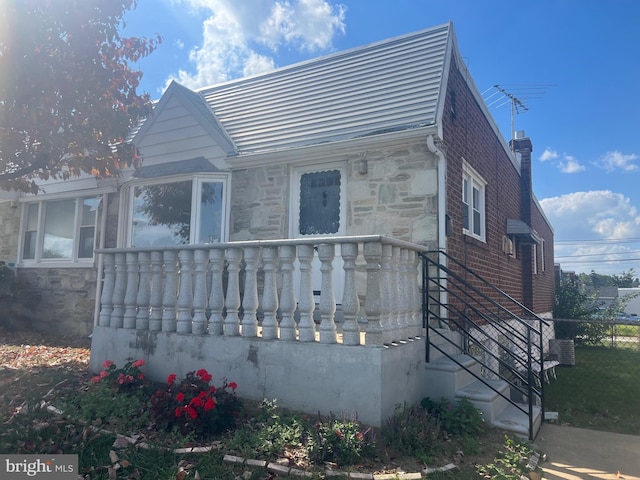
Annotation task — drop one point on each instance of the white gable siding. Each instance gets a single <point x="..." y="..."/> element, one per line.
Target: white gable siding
<point x="176" y="135"/>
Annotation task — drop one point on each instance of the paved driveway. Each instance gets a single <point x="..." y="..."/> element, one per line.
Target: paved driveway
<point x="578" y="454"/>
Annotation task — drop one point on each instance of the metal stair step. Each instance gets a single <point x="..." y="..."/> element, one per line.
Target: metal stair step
<point x="513" y="420"/>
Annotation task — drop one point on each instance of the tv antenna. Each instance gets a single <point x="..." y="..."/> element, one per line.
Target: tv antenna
<point x="516" y="96"/>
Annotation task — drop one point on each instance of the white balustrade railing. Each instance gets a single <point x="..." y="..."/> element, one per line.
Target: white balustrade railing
<point x="266" y="289"/>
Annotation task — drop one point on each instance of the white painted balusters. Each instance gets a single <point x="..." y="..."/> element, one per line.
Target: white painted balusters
<point x="216" y="292"/>
<point x="185" y="292"/>
<point x="144" y="291"/>
<point x="131" y="291"/>
<point x="231" y="326"/>
<point x="288" y="294"/>
<point x="169" y="293"/>
<point x="250" y="298"/>
<point x="199" y="305"/>
<point x="416" y="299"/>
<point x="404" y="305"/>
<point x="306" y="303"/>
<point x="224" y="289"/>
<point x="119" y="291"/>
<point x="388" y="294"/>
<point x="269" y="293"/>
<point x="108" y="285"/>
<point x="373" y="299"/>
<point x="328" y="330"/>
<point x="155" y="302"/>
<point x="350" y="302"/>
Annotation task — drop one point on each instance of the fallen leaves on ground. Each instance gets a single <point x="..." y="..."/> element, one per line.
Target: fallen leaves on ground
<point x="27" y="350"/>
<point x="32" y="364"/>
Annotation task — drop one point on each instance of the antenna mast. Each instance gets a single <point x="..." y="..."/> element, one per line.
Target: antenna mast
<point x="501" y="95"/>
<point x="516" y="105"/>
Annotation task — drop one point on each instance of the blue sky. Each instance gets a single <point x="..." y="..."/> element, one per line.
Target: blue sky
<point x="575" y="64"/>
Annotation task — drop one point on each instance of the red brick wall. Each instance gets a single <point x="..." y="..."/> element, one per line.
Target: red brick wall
<point x="467" y="134"/>
<point x="544" y="281"/>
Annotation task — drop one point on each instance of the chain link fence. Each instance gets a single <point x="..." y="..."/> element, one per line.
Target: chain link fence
<point x="597" y="381"/>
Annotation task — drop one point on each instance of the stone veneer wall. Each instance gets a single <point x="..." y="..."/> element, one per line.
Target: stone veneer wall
<point x="64" y="299"/>
<point x="259" y="203"/>
<point x="9" y="230"/>
<point x="396" y="197"/>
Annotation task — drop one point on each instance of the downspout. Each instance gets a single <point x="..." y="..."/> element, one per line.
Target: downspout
<point x="442" y="214"/>
<point x="103" y="228"/>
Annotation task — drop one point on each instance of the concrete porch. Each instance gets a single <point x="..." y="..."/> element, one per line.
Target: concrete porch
<point x="245" y="311"/>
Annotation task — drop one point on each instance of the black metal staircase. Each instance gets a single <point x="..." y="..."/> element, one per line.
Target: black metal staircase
<point x="471" y="322"/>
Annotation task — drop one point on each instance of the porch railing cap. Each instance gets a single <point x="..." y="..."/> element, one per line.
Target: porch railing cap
<point x="278" y="242"/>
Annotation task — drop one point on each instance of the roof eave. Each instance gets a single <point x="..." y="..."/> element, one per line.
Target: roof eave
<point x="345" y="147"/>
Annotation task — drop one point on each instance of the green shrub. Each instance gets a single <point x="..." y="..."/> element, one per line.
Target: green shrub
<point x="412" y="431"/>
<point x="269" y="433"/>
<point x="460" y="418"/>
<point x="510" y="463"/>
<point x="342" y="441"/>
<point x="275" y="432"/>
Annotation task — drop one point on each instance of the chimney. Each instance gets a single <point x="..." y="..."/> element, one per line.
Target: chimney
<point x="522" y="147"/>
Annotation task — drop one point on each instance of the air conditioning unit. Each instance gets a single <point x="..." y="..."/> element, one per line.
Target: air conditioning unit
<point x="507" y="246"/>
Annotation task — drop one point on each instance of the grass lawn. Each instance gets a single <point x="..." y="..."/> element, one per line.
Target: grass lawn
<point x="37" y="372"/>
<point x="602" y="391"/>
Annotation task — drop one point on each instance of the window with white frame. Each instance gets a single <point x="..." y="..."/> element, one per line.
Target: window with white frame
<point x="177" y="212"/>
<point x="538" y="258"/>
<point x="473" y="203"/>
<point x="59" y="230"/>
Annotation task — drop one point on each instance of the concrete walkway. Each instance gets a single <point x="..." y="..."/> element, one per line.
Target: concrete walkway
<point x="578" y="454"/>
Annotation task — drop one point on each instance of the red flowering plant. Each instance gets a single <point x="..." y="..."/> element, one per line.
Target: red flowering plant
<point x="195" y="406"/>
<point x="127" y="378"/>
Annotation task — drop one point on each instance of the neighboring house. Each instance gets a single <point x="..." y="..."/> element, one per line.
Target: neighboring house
<point x="631" y="304"/>
<point x="369" y="157"/>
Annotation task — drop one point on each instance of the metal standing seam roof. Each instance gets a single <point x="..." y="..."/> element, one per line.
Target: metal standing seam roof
<point x="390" y="85"/>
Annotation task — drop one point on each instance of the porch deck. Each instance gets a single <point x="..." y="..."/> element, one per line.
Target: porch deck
<point x="245" y="311"/>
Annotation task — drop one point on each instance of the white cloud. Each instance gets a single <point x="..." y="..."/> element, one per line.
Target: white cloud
<point x="309" y="24"/>
<point x="256" y="63"/>
<point x="594" y="225"/>
<point x="548" y="154"/>
<point x="239" y="35"/>
<point x="618" y="161"/>
<point x="565" y="163"/>
<point x="570" y="165"/>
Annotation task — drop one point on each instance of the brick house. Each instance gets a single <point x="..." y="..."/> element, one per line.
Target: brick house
<point x="279" y="225"/>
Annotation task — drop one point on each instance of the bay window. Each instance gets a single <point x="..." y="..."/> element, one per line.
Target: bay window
<point x="177" y="212"/>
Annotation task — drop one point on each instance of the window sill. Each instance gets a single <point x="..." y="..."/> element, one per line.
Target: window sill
<point x="56" y="264"/>
<point x="474" y="241"/>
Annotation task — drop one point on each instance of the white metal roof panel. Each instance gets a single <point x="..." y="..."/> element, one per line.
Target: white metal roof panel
<point x="390" y="85"/>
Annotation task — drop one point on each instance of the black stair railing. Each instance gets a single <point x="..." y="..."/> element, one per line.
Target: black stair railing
<point x="500" y="333"/>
